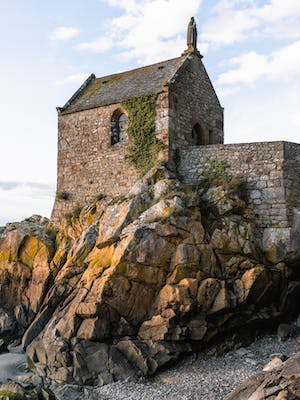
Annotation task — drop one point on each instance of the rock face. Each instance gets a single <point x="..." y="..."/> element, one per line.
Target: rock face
<point x="26" y="254"/>
<point x="278" y="383"/>
<point x="129" y="284"/>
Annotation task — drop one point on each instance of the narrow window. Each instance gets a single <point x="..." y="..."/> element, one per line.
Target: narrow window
<point x="119" y="125"/>
<point x="198" y="135"/>
<point x="210" y="137"/>
<point x="123" y="125"/>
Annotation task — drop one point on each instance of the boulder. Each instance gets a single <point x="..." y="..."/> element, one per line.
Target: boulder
<point x="277" y="383"/>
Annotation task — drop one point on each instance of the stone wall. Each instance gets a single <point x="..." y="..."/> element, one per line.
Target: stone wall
<point x="271" y="171"/>
<point x="292" y="181"/>
<point x="88" y="164"/>
<point x="193" y="100"/>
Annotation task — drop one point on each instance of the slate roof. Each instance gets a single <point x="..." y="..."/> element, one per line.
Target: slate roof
<point x="113" y="89"/>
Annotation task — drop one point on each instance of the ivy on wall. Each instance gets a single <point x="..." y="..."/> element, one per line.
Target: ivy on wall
<point x="144" y="146"/>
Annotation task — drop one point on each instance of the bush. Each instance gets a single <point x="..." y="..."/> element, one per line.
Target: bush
<point x="100" y="196"/>
<point x="217" y="175"/>
<point x="63" y="196"/>
<point x="73" y="214"/>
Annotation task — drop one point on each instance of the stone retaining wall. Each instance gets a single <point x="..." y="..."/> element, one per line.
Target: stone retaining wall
<point x="271" y="171"/>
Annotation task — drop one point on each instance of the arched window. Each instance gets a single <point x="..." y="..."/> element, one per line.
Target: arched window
<point x="123" y="125"/>
<point x="198" y="138"/>
<point x="119" y="125"/>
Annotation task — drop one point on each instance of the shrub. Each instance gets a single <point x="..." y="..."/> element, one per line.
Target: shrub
<point x="73" y="214"/>
<point x="216" y="174"/>
<point x="100" y="196"/>
<point x="63" y="195"/>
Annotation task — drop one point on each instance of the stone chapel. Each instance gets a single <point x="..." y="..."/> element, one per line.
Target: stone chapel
<point x="93" y="125"/>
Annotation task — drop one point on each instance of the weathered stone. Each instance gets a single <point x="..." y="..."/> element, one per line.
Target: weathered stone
<point x="93" y="329"/>
<point x="207" y="293"/>
<point x="162" y="210"/>
<point x="114" y="220"/>
<point x="197" y="329"/>
<point x="278" y="383"/>
<point x="158" y="327"/>
<point x="284" y="331"/>
<point x="277" y="244"/>
<point x="185" y="254"/>
<point x="221" y="301"/>
<point x="226" y="201"/>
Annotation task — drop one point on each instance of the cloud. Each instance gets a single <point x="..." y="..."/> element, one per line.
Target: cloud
<point x="36" y="188"/>
<point x="99" y="45"/>
<point x="237" y="20"/>
<point x="22" y="199"/>
<point x="64" y="33"/>
<point x="227" y="91"/>
<point x="282" y="65"/>
<point x="146" y="30"/>
<point x="72" y="79"/>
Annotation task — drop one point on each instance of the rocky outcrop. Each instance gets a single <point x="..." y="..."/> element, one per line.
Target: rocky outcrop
<point x="279" y="381"/>
<point x="26" y="254"/>
<point x="129" y="284"/>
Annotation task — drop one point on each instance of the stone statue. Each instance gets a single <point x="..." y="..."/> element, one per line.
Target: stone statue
<point x="192" y="35"/>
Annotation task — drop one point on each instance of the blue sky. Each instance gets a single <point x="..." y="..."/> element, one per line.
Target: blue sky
<point x="251" y="50"/>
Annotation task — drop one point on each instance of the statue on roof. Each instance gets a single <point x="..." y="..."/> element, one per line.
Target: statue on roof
<point x="192" y="35"/>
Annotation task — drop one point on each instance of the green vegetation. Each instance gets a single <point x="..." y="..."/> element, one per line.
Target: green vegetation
<point x="144" y="146"/>
<point x="73" y="214"/>
<point x="217" y="174"/>
<point x="216" y="171"/>
<point x="100" y="196"/>
<point x="63" y="196"/>
<point x="5" y="395"/>
<point x="52" y="232"/>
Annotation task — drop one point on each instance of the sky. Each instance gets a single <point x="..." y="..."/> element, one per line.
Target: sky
<point x="251" y="51"/>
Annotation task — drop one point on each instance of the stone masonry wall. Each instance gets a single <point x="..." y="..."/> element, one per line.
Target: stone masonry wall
<point x="271" y="171"/>
<point x="88" y="164"/>
<point x="292" y="181"/>
<point x="193" y="100"/>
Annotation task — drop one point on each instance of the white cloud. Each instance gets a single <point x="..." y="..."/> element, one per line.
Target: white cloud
<point x="147" y="30"/>
<point x="129" y="5"/>
<point x="276" y="10"/>
<point x="283" y="64"/>
<point x="64" y="33"/>
<point x="227" y="91"/>
<point x="99" y="45"/>
<point x="72" y="79"/>
<point x="251" y="66"/>
<point x="237" y="20"/>
<point x="22" y="199"/>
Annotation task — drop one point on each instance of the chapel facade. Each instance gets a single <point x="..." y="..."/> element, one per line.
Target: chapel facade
<point x="93" y="138"/>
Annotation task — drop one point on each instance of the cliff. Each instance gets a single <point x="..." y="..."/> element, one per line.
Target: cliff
<point x="127" y="285"/>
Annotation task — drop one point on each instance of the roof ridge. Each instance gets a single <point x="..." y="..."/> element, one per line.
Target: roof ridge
<point x="114" y="88"/>
<point x="140" y="68"/>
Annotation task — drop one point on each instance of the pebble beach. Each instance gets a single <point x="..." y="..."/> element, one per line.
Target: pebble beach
<point x="201" y="377"/>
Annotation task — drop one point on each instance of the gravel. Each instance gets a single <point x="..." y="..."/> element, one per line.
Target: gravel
<point x="201" y="377"/>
